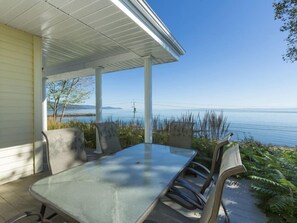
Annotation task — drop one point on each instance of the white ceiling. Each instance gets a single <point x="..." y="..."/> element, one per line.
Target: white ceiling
<point x="80" y="35"/>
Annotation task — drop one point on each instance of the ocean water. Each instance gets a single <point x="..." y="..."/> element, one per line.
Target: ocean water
<point x="269" y="126"/>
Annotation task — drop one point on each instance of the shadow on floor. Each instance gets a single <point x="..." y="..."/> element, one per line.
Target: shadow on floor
<point x="241" y="205"/>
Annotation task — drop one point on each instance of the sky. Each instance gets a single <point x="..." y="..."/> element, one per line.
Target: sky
<point x="233" y="59"/>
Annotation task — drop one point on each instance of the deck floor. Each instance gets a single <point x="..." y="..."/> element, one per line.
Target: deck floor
<point x="241" y="205"/>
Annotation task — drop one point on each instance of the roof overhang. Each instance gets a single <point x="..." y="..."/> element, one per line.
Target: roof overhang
<point x="80" y="35"/>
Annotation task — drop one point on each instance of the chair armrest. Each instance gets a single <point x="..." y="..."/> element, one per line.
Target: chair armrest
<point x="184" y="183"/>
<point x="200" y="199"/>
<point x="196" y="166"/>
<point x="195" y="172"/>
<point x="195" y="188"/>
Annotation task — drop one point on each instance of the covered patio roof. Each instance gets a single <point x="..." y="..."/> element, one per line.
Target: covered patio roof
<point x="80" y="35"/>
<point x="93" y="37"/>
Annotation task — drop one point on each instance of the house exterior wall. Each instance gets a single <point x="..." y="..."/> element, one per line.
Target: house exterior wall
<point x="20" y="104"/>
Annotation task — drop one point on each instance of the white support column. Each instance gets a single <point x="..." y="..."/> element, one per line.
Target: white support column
<point x="148" y="111"/>
<point x="37" y="106"/>
<point x="98" y="73"/>
<point x="44" y="104"/>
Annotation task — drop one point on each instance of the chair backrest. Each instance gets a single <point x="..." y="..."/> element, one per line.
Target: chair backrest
<point x="221" y="151"/>
<point x="108" y="137"/>
<point x="181" y="134"/>
<point x="216" y="160"/>
<point x="231" y="165"/>
<point x="65" y="149"/>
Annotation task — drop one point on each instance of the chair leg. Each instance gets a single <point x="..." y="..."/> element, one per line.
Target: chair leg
<point x="42" y="210"/>
<point x="42" y="214"/>
<point x="227" y="219"/>
<point x="23" y="215"/>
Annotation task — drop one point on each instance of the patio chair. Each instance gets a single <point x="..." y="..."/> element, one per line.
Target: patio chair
<point x="231" y="165"/>
<point x="181" y="134"/>
<point x="208" y="174"/>
<point x="205" y="178"/>
<point x="65" y="149"/>
<point x="108" y="137"/>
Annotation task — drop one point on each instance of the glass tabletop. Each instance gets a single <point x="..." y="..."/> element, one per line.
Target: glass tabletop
<point x="118" y="188"/>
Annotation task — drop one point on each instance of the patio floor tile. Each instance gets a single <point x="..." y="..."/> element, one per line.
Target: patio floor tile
<point x="241" y="205"/>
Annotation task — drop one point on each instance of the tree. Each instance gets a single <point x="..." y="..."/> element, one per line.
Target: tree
<point x="64" y="92"/>
<point x="286" y="11"/>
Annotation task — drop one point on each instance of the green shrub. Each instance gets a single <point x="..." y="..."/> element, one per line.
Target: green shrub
<point x="131" y="133"/>
<point x="274" y="180"/>
<point x="205" y="148"/>
<point x="88" y="129"/>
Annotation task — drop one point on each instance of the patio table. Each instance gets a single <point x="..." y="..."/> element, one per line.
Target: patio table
<point x="123" y="187"/>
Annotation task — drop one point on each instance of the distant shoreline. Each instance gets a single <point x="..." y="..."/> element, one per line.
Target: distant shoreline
<point x="76" y="115"/>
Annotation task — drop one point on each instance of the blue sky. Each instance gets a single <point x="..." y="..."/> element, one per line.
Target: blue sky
<point x="233" y="59"/>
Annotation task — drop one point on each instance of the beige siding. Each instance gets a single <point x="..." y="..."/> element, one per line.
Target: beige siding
<point x="15" y="162"/>
<point x="17" y="118"/>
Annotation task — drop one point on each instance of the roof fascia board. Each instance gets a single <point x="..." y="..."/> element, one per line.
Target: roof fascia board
<point x="153" y="18"/>
<point x="137" y="16"/>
